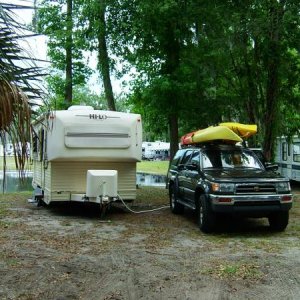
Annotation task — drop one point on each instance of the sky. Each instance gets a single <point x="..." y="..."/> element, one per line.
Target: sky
<point x="36" y="47"/>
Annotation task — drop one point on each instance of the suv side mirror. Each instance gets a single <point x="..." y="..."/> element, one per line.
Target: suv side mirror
<point x="271" y="167"/>
<point x="180" y="167"/>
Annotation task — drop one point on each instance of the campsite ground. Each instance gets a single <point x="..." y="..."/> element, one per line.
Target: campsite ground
<point x="67" y="252"/>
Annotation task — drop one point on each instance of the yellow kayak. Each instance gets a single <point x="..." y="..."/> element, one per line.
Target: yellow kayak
<point x="242" y="130"/>
<point x="215" y="133"/>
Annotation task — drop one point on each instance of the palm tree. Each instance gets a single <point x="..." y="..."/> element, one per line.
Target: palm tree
<point x="19" y="88"/>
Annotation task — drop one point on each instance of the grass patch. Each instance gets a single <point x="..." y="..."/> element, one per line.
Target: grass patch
<point x="11" y="165"/>
<point x="152" y="196"/>
<point x="236" y="271"/>
<point x="153" y="167"/>
<point x="4" y="225"/>
<point x="11" y="197"/>
<point x="9" y="200"/>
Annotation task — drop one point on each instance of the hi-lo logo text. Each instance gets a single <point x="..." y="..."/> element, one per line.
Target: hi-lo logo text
<point x="98" y="117"/>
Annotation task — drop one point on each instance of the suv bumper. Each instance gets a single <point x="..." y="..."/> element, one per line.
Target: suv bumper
<point x="251" y="204"/>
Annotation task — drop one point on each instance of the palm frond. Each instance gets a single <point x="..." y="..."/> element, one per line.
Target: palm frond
<point x="19" y="85"/>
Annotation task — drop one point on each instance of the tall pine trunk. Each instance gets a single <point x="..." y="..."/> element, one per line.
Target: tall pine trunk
<point x="173" y="127"/>
<point x="69" y="47"/>
<point x="273" y="84"/>
<point x="104" y="59"/>
<point x="172" y="48"/>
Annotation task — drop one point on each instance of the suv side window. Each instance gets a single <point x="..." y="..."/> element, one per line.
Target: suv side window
<point x="186" y="157"/>
<point x="176" y="159"/>
<point x="195" y="160"/>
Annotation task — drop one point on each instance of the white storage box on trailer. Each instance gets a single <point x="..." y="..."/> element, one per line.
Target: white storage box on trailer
<point x="102" y="183"/>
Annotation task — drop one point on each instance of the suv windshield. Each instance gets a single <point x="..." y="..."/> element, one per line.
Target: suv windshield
<point x="239" y="158"/>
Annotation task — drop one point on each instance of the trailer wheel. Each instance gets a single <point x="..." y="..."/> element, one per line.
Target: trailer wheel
<point x="279" y="221"/>
<point x="102" y="210"/>
<point x="40" y="201"/>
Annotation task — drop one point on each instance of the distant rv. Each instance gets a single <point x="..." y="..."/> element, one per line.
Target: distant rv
<point x="155" y="150"/>
<point x="85" y="155"/>
<point x="288" y="157"/>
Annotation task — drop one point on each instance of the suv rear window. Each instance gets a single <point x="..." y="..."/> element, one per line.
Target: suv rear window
<point x="229" y="159"/>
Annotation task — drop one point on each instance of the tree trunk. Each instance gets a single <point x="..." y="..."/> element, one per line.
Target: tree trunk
<point x="69" y="47"/>
<point x="104" y="59"/>
<point x="173" y="126"/>
<point x="273" y="64"/>
<point x="172" y="48"/>
<point x="35" y="17"/>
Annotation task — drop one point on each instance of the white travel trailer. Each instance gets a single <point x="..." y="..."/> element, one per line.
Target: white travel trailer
<point x="288" y="157"/>
<point x="82" y="154"/>
<point x="156" y="150"/>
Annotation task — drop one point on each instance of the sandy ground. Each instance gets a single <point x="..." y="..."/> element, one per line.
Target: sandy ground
<point x="67" y="252"/>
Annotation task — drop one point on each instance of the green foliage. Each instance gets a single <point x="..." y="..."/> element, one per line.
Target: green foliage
<point x="228" y="53"/>
<point x="82" y="95"/>
<point x="52" y="21"/>
<point x="199" y="62"/>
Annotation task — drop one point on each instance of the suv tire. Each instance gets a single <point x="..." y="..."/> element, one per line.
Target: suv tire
<point x="205" y="217"/>
<point x="279" y="221"/>
<point x="176" y="208"/>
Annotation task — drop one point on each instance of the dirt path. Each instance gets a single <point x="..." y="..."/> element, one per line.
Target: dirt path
<point x="68" y="253"/>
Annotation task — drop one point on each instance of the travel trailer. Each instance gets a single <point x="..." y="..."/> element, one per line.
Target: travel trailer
<point x="288" y="157"/>
<point x="85" y="155"/>
<point x="155" y="150"/>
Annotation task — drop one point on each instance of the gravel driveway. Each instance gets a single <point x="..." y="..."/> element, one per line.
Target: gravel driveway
<point x="67" y="252"/>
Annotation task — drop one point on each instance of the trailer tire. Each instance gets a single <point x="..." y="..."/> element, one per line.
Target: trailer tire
<point x="40" y="201"/>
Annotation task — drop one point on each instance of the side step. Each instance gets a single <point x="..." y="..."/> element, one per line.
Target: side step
<point x="189" y="205"/>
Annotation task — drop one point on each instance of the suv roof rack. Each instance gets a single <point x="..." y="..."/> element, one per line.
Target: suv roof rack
<point x="211" y="144"/>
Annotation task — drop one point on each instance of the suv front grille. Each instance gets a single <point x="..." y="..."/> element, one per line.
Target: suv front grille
<point x="255" y="188"/>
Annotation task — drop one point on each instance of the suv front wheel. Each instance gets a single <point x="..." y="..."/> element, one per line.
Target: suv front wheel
<point x="279" y="221"/>
<point x="176" y="208"/>
<point x="205" y="217"/>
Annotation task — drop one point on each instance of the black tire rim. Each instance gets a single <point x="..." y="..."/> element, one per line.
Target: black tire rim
<point x="172" y="200"/>
<point x="200" y="214"/>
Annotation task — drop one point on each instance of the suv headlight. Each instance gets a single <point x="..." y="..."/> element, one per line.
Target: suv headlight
<point x="283" y="186"/>
<point x="223" y="187"/>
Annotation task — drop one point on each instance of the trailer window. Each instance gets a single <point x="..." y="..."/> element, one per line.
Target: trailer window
<point x="41" y="145"/>
<point x="296" y="152"/>
<point x="284" y="151"/>
<point x="34" y="143"/>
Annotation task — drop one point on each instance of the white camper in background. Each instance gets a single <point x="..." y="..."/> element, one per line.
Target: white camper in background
<point x="155" y="150"/>
<point x="82" y="154"/>
<point x="288" y="157"/>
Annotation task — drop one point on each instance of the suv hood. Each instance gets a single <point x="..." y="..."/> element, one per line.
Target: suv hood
<point x="240" y="174"/>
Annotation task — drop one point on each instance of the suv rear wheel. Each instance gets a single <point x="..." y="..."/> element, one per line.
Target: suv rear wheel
<point x="205" y="217"/>
<point x="176" y="208"/>
<point x="279" y="221"/>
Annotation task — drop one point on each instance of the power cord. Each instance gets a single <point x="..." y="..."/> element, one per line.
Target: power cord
<point x="141" y="211"/>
